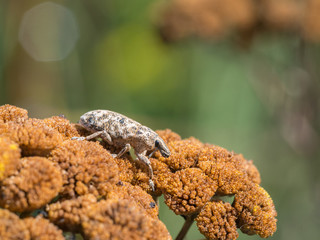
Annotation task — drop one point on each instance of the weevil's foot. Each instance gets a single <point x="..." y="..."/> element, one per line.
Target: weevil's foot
<point x="151" y="184"/>
<point x="114" y="155"/>
<point x="78" y="138"/>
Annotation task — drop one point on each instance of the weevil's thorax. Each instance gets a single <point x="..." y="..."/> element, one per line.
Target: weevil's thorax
<point x="143" y="139"/>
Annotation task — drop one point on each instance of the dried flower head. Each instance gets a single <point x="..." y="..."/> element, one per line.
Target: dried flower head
<point x="11" y="227"/>
<point x="68" y="214"/>
<point x="9" y="157"/>
<point x="86" y="168"/>
<point x="103" y="197"/>
<point x="41" y="229"/>
<point x="217" y="220"/>
<point x="188" y="190"/>
<point x="134" y="172"/>
<point x="135" y="194"/>
<point x="33" y="136"/>
<point x="248" y="166"/>
<point x="63" y="126"/>
<point x="110" y="219"/>
<point x="107" y="219"/>
<point x="32" y="186"/>
<point x="256" y="211"/>
<point x="11" y="113"/>
<point x="184" y="154"/>
<point x="228" y="169"/>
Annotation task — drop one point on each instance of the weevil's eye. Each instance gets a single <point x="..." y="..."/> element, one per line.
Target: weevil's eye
<point x="156" y="143"/>
<point x="90" y="120"/>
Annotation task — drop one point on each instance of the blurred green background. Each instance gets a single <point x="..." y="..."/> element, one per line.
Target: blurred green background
<point x="69" y="57"/>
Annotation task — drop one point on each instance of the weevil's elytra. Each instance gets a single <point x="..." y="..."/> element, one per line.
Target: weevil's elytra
<point x="121" y="131"/>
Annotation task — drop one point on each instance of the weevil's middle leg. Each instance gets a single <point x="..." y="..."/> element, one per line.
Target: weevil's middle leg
<point x="124" y="150"/>
<point x="142" y="157"/>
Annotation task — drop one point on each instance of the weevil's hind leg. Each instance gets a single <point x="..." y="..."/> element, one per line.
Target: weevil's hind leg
<point x="103" y="134"/>
<point x="123" y="151"/>
<point x="142" y="157"/>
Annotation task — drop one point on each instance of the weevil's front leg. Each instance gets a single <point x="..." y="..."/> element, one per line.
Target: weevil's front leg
<point x="123" y="150"/>
<point x="142" y="157"/>
<point x="151" y="154"/>
<point x="103" y="134"/>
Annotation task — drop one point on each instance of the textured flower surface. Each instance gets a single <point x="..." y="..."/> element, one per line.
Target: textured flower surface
<point x="40" y="228"/>
<point x="217" y="220"/>
<point x="9" y="157"/>
<point x="56" y="184"/>
<point x="256" y="212"/>
<point x="11" y="227"/>
<point x="32" y="186"/>
<point x="86" y="167"/>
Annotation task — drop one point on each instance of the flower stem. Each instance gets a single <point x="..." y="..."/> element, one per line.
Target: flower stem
<point x="186" y="226"/>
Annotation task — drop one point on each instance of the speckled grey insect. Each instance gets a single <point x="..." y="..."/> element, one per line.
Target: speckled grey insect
<point x="121" y="131"/>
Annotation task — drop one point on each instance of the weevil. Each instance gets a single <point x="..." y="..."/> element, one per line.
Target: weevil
<point x="123" y="132"/>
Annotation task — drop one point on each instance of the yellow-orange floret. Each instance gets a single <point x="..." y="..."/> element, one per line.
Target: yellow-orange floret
<point x="231" y="171"/>
<point x="217" y="220"/>
<point x="256" y="211"/>
<point x="116" y="218"/>
<point x="127" y="169"/>
<point x="134" y="172"/>
<point x="212" y="158"/>
<point x="188" y="190"/>
<point x="33" y="136"/>
<point x="11" y="113"/>
<point x="86" y="168"/>
<point x="9" y="157"/>
<point x="110" y="219"/>
<point x="231" y="179"/>
<point x="63" y="126"/>
<point x="68" y="214"/>
<point x="184" y="154"/>
<point x="11" y="227"/>
<point x="41" y="229"/>
<point x="137" y="195"/>
<point x="32" y="186"/>
<point x="251" y="170"/>
<point x="161" y="173"/>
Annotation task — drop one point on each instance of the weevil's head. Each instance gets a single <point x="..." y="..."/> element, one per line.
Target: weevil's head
<point x="87" y="120"/>
<point x="90" y="121"/>
<point x="162" y="147"/>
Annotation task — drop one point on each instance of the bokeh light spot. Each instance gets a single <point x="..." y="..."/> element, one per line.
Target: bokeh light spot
<point x="48" y="32"/>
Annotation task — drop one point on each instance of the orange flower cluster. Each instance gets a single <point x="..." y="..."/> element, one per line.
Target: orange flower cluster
<point x="40" y="164"/>
<point x="212" y="19"/>
<point x="121" y="217"/>
<point x="85" y="190"/>
<point x="14" y="228"/>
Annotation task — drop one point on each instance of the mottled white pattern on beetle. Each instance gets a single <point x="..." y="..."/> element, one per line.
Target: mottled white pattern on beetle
<point x="121" y="129"/>
<point x="124" y="132"/>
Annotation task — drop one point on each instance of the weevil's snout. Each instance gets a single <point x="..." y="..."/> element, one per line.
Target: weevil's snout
<point x="164" y="153"/>
<point x="164" y="150"/>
